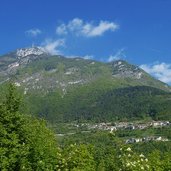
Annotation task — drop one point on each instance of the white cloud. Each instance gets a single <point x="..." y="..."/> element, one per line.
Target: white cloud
<point x="84" y="57"/>
<point x="53" y="46"/>
<point x="161" y="71"/>
<point x="61" y="30"/>
<point x="100" y="29"/>
<point x="87" y="29"/>
<point x="118" y="55"/>
<point x="75" y="25"/>
<point x="33" y="32"/>
<point x="88" y="57"/>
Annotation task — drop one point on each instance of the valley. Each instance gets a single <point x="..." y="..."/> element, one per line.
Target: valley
<point x="85" y="85"/>
<point x="100" y="110"/>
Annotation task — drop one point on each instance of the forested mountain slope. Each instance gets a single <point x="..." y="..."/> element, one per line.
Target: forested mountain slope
<point x="62" y="89"/>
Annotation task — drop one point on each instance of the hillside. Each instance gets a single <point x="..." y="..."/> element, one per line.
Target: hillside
<point x="67" y="89"/>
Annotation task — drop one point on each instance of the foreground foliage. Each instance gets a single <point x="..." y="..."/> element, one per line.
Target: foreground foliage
<point x="27" y="144"/>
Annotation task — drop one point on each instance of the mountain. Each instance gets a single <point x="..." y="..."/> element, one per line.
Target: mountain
<point x="64" y="89"/>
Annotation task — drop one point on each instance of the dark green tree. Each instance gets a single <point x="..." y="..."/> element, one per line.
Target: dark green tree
<point x="25" y="142"/>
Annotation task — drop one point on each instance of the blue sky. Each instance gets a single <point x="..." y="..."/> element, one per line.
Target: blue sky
<point x="138" y="31"/>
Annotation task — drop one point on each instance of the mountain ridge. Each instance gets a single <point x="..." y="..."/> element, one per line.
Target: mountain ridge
<point x="25" y="57"/>
<point x="62" y="89"/>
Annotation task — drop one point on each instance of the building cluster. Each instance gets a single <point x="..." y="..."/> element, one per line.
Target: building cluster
<point x="145" y="139"/>
<point x="124" y="125"/>
<point x="111" y="127"/>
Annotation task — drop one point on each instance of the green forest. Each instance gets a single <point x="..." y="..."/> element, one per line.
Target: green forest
<point x="28" y="143"/>
<point x="99" y="102"/>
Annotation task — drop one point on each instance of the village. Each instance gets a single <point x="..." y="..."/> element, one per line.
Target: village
<point x="145" y="139"/>
<point x="112" y="127"/>
<point x="124" y="125"/>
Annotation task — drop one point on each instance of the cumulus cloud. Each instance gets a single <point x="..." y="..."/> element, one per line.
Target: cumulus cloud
<point x="118" y="55"/>
<point x="61" y="30"/>
<point x="87" y="29"/>
<point x="100" y="29"/>
<point x="84" y="57"/>
<point x="33" y="32"/>
<point x="53" y="46"/>
<point x="88" y="57"/>
<point x="161" y="71"/>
